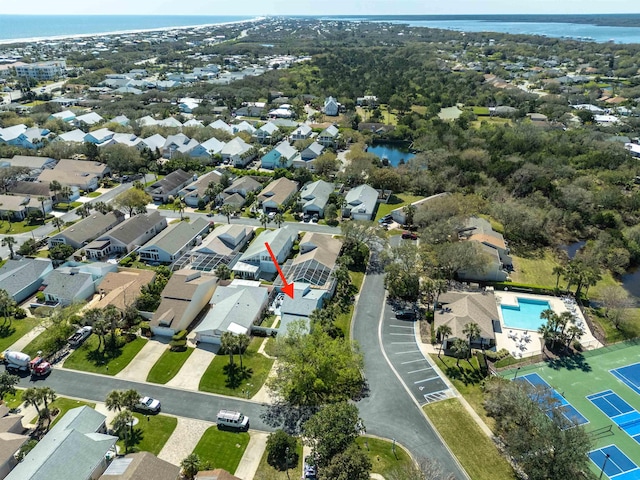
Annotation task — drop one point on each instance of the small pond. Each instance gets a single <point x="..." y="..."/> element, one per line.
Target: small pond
<point x="572" y="248"/>
<point x="394" y="152"/>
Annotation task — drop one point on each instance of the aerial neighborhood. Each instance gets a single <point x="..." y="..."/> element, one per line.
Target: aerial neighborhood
<point x="222" y="248"/>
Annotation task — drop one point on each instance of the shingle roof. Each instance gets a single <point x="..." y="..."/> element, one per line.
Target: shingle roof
<point x="362" y="199"/>
<point x="316" y="193"/>
<point x="234" y="304"/>
<point x="15" y="275"/>
<point x="140" y="466"/>
<point x="65" y="285"/>
<point x="31" y="188"/>
<point x="90" y="227"/>
<point x="176" y="236"/>
<point x="278" y="191"/>
<point x="277" y="239"/>
<point x="244" y="183"/>
<point x="123" y="287"/>
<point x="170" y="182"/>
<point x="223" y="240"/>
<point x="87" y="166"/>
<point x="133" y="227"/>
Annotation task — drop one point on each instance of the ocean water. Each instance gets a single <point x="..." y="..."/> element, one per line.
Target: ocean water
<point x="17" y="27"/>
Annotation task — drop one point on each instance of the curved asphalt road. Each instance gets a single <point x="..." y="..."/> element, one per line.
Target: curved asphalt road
<point x="389" y="410"/>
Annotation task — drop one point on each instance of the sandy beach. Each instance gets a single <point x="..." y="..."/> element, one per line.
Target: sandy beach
<point x="122" y="32"/>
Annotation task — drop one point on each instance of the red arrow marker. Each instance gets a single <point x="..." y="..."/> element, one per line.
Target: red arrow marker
<point x="288" y="287"/>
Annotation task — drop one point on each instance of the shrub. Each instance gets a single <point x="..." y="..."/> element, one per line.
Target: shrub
<point x="577" y="346"/>
<point x="40" y="297"/>
<point x="19" y="313"/>
<point x="181" y="335"/>
<point x="126" y="262"/>
<point x="178" y="345"/>
<point x="278" y="444"/>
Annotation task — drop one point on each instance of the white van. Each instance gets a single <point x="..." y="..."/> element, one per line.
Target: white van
<point x="231" y="419"/>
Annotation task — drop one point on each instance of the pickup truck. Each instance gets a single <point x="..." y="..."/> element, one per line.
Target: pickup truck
<point x="80" y="336"/>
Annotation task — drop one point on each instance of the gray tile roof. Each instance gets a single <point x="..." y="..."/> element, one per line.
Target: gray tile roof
<point x="31" y="188"/>
<point x="234" y="304"/>
<point x="64" y="285"/>
<point x="16" y="275"/>
<point x="277" y="240"/>
<point x="70" y="451"/>
<point x="176" y="236"/>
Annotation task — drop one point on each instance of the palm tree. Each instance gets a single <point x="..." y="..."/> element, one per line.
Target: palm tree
<point x="264" y="219"/>
<point x="558" y="270"/>
<point x="547" y="334"/>
<point x="278" y="219"/>
<point x="443" y="332"/>
<point x="83" y="210"/>
<point x="101" y="328"/>
<point x="242" y="342"/>
<point x="58" y="222"/>
<point x="123" y="423"/>
<point x="47" y="394"/>
<point x="441" y="286"/>
<point x="9" y="242"/>
<point x="44" y="213"/>
<point x="227" y="211"/>
<point x="130" y="398"/>
<point x="55" y="187"/>
<point x="66" y="192"/>
<point x="461" y="349"/>
<point x="472" y="331"/>
<point x="31" y="396"/>
<point x="409" y="211"/>
<point x="114" y="400"/>
<point x="573" y="332"/>
<point x="190" y="466"/>
<point x="178" y="204"/>
<point x="228" y="342"/>
<point x="113" y="317"/>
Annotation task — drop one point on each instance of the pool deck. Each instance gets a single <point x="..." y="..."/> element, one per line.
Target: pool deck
<point x="528" y="343"/>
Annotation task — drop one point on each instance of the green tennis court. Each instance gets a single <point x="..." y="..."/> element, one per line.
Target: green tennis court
<point x="581" y="376"/>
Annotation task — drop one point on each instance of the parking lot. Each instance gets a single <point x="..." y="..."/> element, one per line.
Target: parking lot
<point x="398" y="338"/>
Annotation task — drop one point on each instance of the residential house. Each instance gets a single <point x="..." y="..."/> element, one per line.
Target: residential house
<point x="308" y="156"/>
<point x="122" y="287"/>
<point x="140" y="466"/>
<point x="238" y="153"/>
<point x="331" y="107"/>
<point x="187" y="292"/>
<point x="35" y="164"/>
<point x="66" y="286"/>
<point x="76" y="448"/>
<point x="22" y="278"/>
<point x="221" y="125"/>
<point x="98" y="169"/>
<point x="329" y="136"/>
<point x="220" y="246"/>
<point x="13" y="436"/>
<point x="179" y="143"/>
<point x="127" y="236"/>
<point x="463" y="309"/>
<point x="277" y="194"/>
<point x="17" y="207"/>
<point x="78" y="174"/>
<point x="243" y="126"/>
<point x="170" y="122"/>
<point x="127" y="139"/>
<point x="315" y="196"/>
<point x="188" y="105"/>
<point x="480" y="230"/>
<point x="173" y="242"/>
<point x="65" y="116"/>
<point x="216" y="474"/>
<point x="120" y="120"/>
<point x="21" y="136"/>
<point x="367" y="100"/>
<point x="360" y="203"/>
<point x="169" y="186"/>
<point x="88" y="119"/>
<point x="268" y="133"/>
<point x="99" y="136"/>
<point x="74" y="136"/>
<point x="242" y="186"/>
<point x="256" y="261"/>
<point x="281" y="156"/>
<point x="303" y="132"/>
<point x="196" y="191"/>
<point x="400" y="215"/>
<point x="36" y="190"/>
<point x="299" y="308"/>
<point x="234" y="309"/>
<point x="155" y="143"/>
<point x="87" y="229"/>
<point x="212" y="147"/>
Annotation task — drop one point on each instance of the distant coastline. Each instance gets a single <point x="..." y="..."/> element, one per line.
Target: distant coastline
<point x="70" y="36"/>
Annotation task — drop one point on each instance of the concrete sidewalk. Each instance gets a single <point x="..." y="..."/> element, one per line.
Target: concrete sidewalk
<point x="26" y="339"/>
<point x="139" y="367"/>
<point x="252" y="455"/>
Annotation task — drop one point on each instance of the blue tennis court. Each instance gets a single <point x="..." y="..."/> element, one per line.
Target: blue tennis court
<point x="623" y="415"/>
<point x="567" y="410"/>
<point x="616" y="464"/>
<point x="629" y="375"/>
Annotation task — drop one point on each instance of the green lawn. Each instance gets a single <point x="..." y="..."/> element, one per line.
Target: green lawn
<point x="64" y="404"/>
<point x="87" y="359"/>
<point x="15" y="400"/>
<point x="474" y="450"/>
<point x="168" y="365"/>
<point x="467" y="379"/>
<point x="480" y="110"/>
<point x="150" y="433"/>
<point x="10" y="333"/>
<point x="93" y="194"/>
<point x="221" y="448"/>
<point x="357" y="278"/>
<point x="383" y="459"/>
<point x="267" y="472"/>
<point x="219" y="378"/>
<point x="581" y="375"/>
<point x="396" y="201"/>
<point x="343" y="321"/>
<point x="16" y="227"/>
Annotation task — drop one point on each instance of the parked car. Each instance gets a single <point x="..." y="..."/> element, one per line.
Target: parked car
<point x="405" y="314"/>
<point x="232" y="419"/>
<point x="309" y="469"/>
<point x="409" y="235"/>
<point x="148" y="405"/>
<point x="386" y="219"/>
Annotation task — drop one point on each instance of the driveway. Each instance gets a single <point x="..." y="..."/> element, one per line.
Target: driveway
<point x="141" y="365"/>
<point x="189" y="375"/>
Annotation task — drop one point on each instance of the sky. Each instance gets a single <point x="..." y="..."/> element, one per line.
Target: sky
<point x="313" y="7"/>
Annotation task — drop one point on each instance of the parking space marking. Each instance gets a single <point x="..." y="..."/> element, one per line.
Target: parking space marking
<point x="421" y="370"/>
<point x="427" y="379"/>
<point x="403" y="334"/>
<point x="413" y="361"/>
<point x="409" y="351"/>
<point x="401" y="326"/>
<point x="403" y="343"/>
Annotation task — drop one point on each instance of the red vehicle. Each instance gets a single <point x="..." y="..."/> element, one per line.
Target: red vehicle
<point x="409" y="235"/>
<point x="39" y="367"/>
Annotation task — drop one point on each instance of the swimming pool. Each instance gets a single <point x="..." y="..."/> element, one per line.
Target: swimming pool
<point x="525" y="315"/>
